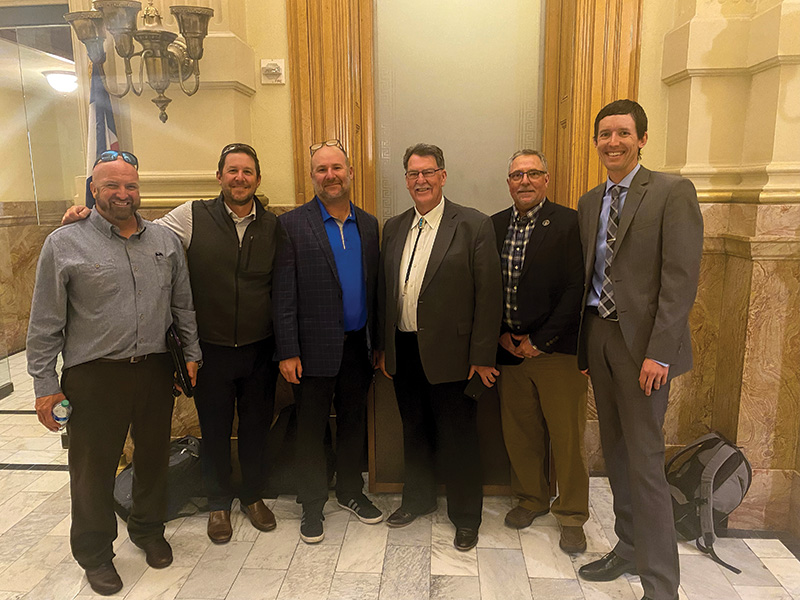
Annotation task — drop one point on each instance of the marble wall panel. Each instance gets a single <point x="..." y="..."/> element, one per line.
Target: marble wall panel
<point x="794" y="506"/>
<point x="742" y="219"/>
<point x="770" y="399"/>
<point x="731" y="346"/>
<point x="691" y="402"/>
<point x="716" y="218"/>
<point x="8" y="301"/>
<point x="21" y="245"/>
<point x="766" y="505"/>
<point x="779" y="220"/>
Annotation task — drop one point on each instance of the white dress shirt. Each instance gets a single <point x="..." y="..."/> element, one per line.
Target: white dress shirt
<point x="179" y="220"/>
<point x="409" y="292"/>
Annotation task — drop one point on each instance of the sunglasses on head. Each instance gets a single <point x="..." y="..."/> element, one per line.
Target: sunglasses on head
<point x="112" y="155"/>
<point x="238" y="148"/>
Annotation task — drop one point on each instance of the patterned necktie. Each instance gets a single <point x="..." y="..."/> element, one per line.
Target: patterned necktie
<point x="607" y="306"/>
<point x="419" y="227"/>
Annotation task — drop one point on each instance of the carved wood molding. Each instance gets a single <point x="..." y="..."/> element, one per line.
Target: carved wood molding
<point x="330" y="58"/>
<point x="591" y="58"/>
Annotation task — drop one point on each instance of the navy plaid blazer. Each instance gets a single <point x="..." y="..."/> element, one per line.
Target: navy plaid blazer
<point x="307" y="295"/>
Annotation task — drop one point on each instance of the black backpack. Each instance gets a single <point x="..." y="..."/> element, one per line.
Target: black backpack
<point x="185" y="492"/>
<point x="708" y="479"/>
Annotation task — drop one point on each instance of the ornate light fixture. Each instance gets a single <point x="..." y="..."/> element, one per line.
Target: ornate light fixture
<point x="165" y="56"/>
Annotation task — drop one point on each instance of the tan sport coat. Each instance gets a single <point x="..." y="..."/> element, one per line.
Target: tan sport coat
<point x="460" y="302"/>
<point x="655" y="268"/>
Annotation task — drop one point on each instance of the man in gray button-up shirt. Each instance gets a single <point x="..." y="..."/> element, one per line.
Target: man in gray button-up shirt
<point x="107" y="289"/>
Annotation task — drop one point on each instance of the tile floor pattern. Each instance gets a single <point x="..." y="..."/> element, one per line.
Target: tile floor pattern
<point x="354" y="562"/>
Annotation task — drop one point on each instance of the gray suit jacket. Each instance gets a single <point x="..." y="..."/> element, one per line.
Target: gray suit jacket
<point x="656" y="265"/>
<point x="460" y="302"/>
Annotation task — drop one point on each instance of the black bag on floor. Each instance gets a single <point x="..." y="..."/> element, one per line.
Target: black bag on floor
<point x="185" y="493"/>
<point x="708" y="479"/>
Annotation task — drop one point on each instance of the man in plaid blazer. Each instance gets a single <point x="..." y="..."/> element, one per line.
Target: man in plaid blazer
<point x="324" y="312"/>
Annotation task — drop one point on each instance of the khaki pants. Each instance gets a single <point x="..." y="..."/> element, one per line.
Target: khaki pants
<point x="550" y="391"/>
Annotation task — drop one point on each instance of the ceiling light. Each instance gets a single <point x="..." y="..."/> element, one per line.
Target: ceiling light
<point x="62" y="81"/>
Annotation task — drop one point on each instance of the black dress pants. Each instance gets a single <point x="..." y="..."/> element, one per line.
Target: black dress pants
<point x="240" y="379"/>
<point x="107" y="398"/>
<point x="348" y="390"/>
<point x="439" y="424"/>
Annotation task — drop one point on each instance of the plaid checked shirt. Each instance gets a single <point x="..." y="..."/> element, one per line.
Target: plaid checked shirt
<point x="513" y="257"/>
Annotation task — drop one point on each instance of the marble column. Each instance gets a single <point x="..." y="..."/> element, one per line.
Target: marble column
<point x="731" y="71"/>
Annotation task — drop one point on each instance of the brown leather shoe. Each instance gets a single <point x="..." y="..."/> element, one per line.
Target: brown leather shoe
<point x="260" y="516"/>
<point x="219" y="526"/>
<point x="573" y="540"/>
<point x="158" y="552"/>
<point x="104" y="579"/>
<point x="520" y="518"/>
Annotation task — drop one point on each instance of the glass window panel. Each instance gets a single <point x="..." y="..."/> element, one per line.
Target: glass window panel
<point x="463" y="77"/>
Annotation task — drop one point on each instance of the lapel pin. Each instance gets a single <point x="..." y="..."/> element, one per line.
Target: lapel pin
<point x="546" y="222"/>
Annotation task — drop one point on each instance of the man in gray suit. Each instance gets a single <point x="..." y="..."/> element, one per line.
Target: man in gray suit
<point x="642" y="237"/>
<point x="439" y="307"/>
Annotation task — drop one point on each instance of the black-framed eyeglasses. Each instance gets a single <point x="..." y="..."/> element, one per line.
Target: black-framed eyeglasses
<point x="333" y="143"/>
<point x="112" y="155"/>
<point x="532" y="174"/>
<point x="427" y="174"/>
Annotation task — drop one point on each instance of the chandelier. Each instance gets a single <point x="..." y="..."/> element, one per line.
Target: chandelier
<point x="163" y="55"/>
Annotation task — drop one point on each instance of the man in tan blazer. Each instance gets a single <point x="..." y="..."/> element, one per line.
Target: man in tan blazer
<point x="439" y="311"/>
<point x="642" y="237"/>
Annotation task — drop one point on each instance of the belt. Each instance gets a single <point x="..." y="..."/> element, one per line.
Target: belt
<point x="356" y="333"/>
<point x="593" y="310"/>
<point x="132" y="359"/>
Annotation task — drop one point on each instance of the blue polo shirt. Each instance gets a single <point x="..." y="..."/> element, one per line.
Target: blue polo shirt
<point x="345" y="242"/>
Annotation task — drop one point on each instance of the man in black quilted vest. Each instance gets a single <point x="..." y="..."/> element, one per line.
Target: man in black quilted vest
<point x="230" y="245"/>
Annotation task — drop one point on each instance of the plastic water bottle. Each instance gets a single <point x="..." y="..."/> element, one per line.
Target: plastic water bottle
<point x="61" y="413"/>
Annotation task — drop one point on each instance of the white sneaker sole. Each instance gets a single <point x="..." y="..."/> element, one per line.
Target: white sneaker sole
<point x="371" y="521"/>
<point x="312" y="540"/>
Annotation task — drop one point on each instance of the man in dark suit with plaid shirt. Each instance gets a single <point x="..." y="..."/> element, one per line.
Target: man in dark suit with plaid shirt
<point x="324" y="312"/>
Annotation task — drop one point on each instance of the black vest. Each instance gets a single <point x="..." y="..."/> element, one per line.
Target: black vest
<point x="231" y="285"/>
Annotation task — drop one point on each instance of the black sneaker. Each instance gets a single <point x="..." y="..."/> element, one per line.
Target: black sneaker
<point x="363" y="509"/>
<point x="311" y="531"/>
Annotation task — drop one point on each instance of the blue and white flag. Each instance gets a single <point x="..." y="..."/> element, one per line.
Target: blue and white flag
<point x="102" y="129"/>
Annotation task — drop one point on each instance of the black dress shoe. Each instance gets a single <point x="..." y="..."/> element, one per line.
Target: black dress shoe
<point x="607" y="568"/>
<point x="104" y="579"/>
<point x="401" y="517"/>
<point x="466" y="538"/>
<point x="158" y="552"/>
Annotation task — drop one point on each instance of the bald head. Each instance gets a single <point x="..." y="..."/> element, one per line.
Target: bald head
<point x="115" y="187"/>
<point x="331" y="174"/>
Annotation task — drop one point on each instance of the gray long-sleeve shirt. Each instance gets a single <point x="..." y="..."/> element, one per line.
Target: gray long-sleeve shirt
<point x="99" y="295"/>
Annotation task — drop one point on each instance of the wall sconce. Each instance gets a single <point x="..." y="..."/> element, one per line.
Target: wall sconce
<point x="165" y="56"/>
<point x="63" y="82"/>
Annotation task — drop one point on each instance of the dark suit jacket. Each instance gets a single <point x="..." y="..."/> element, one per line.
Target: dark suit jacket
<point x="550" y="288"/>
<point x="460" y="302"/>
<point x="656" y="265"/>
<point x="307" y="295"/>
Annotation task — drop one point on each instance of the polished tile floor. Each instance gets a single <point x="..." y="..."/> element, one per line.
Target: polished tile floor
<point x="354" y="562"/>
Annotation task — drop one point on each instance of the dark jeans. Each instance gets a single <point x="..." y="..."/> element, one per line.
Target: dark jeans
<point x="241" y="379"/>
<point x="439" y="423"/>
<point x="348" y="390"/>
<point x="107" y="398"/>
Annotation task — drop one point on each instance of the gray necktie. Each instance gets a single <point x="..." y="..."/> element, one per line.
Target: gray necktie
<point x="607" y="306"/>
